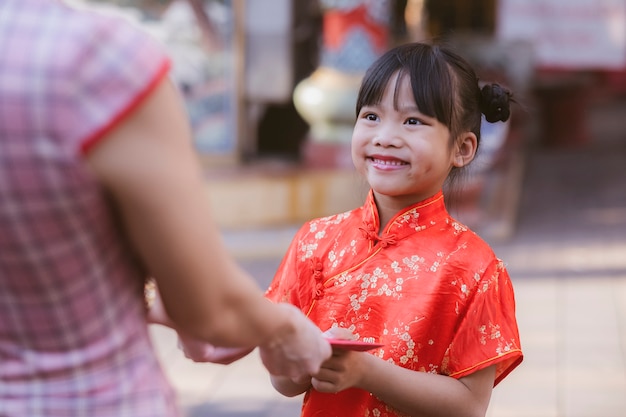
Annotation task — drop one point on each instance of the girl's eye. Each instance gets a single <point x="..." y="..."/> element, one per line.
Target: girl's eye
<point x="413" y="121"/>
<point x="371" y="117"/>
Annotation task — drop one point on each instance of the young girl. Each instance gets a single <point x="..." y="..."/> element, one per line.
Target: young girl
<point x="400" y="271"/>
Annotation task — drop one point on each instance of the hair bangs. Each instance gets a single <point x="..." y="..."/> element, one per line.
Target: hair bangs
<point x="431" y="83"/>
<point x="429" y="76"/>
<point x="376" y="79"/>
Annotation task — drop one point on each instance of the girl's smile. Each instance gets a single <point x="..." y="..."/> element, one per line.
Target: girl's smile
<point x="386" y="163"/>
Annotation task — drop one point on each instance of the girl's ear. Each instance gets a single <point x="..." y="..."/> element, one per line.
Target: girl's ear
<point x="464" y="149"/>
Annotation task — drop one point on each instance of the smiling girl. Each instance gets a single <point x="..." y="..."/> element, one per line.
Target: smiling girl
<point x="400" y="271"/>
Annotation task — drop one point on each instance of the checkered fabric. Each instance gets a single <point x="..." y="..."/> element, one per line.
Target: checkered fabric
<point x="73" y="336"/>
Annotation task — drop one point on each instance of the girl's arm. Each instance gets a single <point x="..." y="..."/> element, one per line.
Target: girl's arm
<point x="412" y="392"/>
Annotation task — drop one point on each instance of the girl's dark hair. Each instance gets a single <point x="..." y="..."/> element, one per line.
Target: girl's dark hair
<point x="444" y="85"/>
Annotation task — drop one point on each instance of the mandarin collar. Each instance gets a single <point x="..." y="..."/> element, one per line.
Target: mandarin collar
<point x="410" y="220"/>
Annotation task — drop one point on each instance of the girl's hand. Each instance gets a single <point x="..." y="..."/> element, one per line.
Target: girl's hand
<point x="343" y="370"/>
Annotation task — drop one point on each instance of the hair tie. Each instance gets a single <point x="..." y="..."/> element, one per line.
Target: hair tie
<point x="494" y="103"/>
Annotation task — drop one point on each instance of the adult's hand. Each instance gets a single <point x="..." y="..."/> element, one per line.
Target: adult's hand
<point x="299" y="352"/>
<point x="201" y="351"/>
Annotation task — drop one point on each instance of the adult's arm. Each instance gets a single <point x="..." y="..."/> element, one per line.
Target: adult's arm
<point x="149" y="166"/>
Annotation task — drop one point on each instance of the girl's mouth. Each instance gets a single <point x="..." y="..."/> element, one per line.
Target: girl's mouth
<point x="386" y="163"/>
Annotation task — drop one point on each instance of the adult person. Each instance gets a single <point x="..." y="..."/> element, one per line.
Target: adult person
<point x="99" y="188"/>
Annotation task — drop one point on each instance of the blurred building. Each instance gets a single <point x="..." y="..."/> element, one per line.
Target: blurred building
<point x="238" y="63"/>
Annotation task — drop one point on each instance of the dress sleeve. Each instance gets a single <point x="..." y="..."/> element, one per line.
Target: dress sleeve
<point x="488" y="334"/>
<point x="114" y="68"/>
<point x="288" y="284"/>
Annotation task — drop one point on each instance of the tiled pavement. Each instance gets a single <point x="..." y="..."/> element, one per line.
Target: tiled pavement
<point x="567" y="260"/>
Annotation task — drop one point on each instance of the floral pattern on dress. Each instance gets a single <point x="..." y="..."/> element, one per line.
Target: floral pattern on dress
<point x="425" y="286"/>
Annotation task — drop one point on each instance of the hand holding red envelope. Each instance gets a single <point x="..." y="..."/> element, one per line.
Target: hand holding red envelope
<point x="344" y="339"/>
<point x="356" y="345"/>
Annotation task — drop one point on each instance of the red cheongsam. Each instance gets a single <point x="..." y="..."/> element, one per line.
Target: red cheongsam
<point x="427" y="287"/>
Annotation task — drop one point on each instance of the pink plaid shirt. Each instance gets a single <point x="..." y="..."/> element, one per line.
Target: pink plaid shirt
<point x="73" y="334"/>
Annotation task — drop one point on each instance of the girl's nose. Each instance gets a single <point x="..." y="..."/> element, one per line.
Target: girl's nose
<point x="386" y="137"/>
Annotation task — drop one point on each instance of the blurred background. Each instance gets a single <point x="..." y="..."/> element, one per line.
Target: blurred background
<point x="270" y="87"/>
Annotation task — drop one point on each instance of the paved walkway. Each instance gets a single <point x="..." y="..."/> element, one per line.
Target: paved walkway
<point x="568" y="264"/>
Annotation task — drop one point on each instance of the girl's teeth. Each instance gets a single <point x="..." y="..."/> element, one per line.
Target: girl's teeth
<point x="379" y="161"/>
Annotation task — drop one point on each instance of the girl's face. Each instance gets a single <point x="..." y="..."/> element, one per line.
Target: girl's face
<point x="404" y="155"/>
